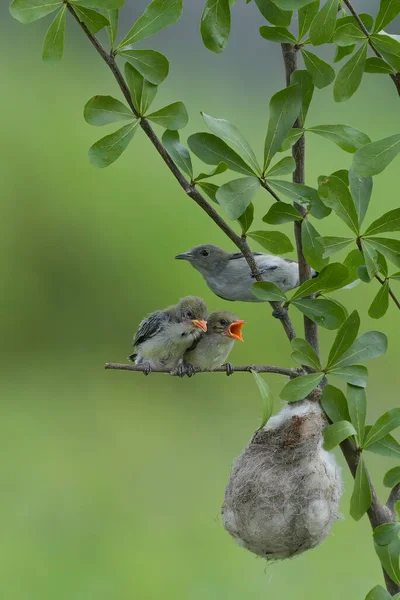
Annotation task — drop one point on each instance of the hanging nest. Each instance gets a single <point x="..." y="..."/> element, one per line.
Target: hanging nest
<point x="283" y="494"/>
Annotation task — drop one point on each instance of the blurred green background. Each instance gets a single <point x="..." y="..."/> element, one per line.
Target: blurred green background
<point x="112" y="482"/>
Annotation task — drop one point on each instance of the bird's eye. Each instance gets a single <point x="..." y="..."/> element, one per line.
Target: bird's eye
<point x="204" y="253"/>
<point x="223" y="322"/>
<point x="189" y="314"/>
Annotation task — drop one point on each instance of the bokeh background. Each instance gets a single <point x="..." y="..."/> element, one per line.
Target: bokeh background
<point x="111" y="483"/>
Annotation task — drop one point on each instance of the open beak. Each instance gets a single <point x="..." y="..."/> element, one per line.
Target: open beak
<point x="183" y="256"/>
<point x="200" y="324"/>
<point x="235" y="330"/>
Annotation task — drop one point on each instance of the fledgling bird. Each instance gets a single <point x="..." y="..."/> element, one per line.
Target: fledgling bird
<point x="212" y="349"/>
<point x="229" y="277"/>
<point x="164" y="336"/>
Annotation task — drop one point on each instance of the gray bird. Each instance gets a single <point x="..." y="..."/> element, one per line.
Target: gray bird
<point x="229" y="277"/>
<point x="164" y="336"/>
<point x="212" y="349"/>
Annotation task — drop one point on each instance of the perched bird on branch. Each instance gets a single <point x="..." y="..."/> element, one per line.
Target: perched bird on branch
<point x="164" y="336"/>
<point x="211" y="350"/>
<point x="229" y="276"/>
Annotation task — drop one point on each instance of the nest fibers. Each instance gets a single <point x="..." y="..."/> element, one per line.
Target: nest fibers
<point x="283" y="494"/>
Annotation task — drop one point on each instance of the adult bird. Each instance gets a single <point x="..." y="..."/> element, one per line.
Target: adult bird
<point x="164" y="336"/>
<point x="229" y="276"/>
<point x="212" y="349"/>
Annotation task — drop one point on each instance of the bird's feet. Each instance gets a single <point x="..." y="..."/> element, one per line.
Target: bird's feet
<point x="146" y="368"/>
<point x="190" y="370"/>
<point x="229" y="369"/>
<point x="180" y="369"/>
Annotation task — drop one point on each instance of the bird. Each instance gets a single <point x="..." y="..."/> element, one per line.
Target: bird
<point x="210" y="351"/>
<point x="164" y="335"/>
<point x="229" y="276"/>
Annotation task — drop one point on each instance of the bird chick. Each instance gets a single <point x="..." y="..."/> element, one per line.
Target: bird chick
<point x="164" y="336"/>
<point x="229" y="277"/>
<point x="211" y="350"/>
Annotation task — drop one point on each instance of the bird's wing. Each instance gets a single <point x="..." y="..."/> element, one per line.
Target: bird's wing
<point x="150" y="326"/>
<point x="236" y="255"/>
<point x="195" y="343"/>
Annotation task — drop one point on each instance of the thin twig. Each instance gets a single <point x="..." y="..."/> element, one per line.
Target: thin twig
<point x="279" y="311"/>
<point x="391" y="292"/>
<point x="269" y="189"/>
<point x="394" y="76"/>
<point x="298" y="152"/>
<point x="239" y="369"/>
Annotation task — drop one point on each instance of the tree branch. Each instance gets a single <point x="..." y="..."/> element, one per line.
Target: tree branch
<point x="279" y="311"/>
<point x="239" y="369"/>
<point x="298" y="152"/>
<point x="394" y="76"/>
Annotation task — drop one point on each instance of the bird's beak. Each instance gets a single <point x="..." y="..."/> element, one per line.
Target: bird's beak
<point x="200" y="324"/>
<point x="183" y="256"/>
<point x="235" y="330"/>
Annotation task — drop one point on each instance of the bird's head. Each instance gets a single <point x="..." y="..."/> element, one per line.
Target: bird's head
<point x="192" y="311"/>
<point x="205" y="257"/>
<point x="223" y="322"/>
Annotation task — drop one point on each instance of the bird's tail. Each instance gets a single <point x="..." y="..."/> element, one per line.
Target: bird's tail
<point x="132" y="357"/>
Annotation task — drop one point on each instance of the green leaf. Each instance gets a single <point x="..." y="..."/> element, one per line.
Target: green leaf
<point x="385" y="424"/>
<point x="345" y="337"/>
<point x="388" y="10"/>
<point x="106" y="151"/>
<point x="152" y="65"/>
<point x="349" y="77"/>
<point x="378" y="593"/>
<point x="179" y="154"/>
<point x="284" y="108"/>
<point x="369" y="345"/>
<point x="102" y="110"/>
<point x="386" y="533"/>
<point x="387" y="446"/>
<point x="348" y="33"/>
<point x="390" y="221"/>
<point x="302" y="194"/>
<point x="321" y="73"/>
<point x="299" y="387"/>
<point x="355" y="375"/>
<point x="266" y="396"/>
<point x="336" y="195"/>
<point x="247" y="218"/>
<point x="361" y="498"/>
<point x="367" y="20"/>
<point x="324" y="312"/>
<point x="395" y="276"/>
<point x="330" y="278"/>
<point x="158" y="15"/>
<point x="220" y="168"/>
<point x="392" y="477"/>
<point x="371" y="259"/>
<point x="388" y="247"/>
<point x="312" y="249"/>
<point x="336" y="433"/>
<point x="28" y="11"/>
<point x="100" y="4"/>
<point x="291" y="4"/>
<point x="212" y="150"/>
<point x="357" y="403"/>
<point x="291" y="138"/>
<point x="334" y="403"/>
<point x="210" y="189"/>
<point x="215" y="25"/>
<point x="280" y="212"/>
<point x="306" y="16"/>
<point x="389" y="47"/>
<point x="112" y="30"/>
<point x="142" y="91"/>
<point x="323" y="26"/>
<point x="306" y="87"/>
<point x="378" y="65"/>
<point x="267" y="291"/>
<point x="376" y="156"/>
<point x="283" y="167"/>
<point x="277" y="34"/>
<point x="346" y="137"/>
<point x="332" y="244"/>
<point x="173" y="116"/>
<point x="53" y="44"/>
<point x="361" y="190"/>
<point x="273" y="14"/>
<point x="343" y="51"/>
<point x="380" y="303"/>
<point x="235" y="196"/>
<point x="383" y="266"/>
<point x="352" y="261"/>
<point x="389" y="556"/>
<point x="93" y="20"/>
<point x="305" y="354"/>
<point x="232" y="136"/>
<point x="273" y="241"/>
